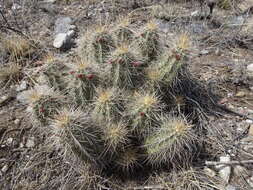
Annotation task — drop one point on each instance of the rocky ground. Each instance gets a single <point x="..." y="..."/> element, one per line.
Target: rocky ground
<point x="221" y="58"/>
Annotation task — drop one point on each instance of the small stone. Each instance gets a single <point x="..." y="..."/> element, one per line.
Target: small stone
<point x="204" y="52"/>
<point x="224" y="170"/>
<point x="21" y="145"/>
<point x="231" y="187"/>
<point x="250" y="181"/>
<point x="15" y="6"/>
<point x="194" y="13"/>
<point x="49" y="1"/>
<point x="9" y="141"/>
<point x="240" y="94"/>
<point x="209" y="172"/>
<point x="17" y="121"/>
<point x="251" y="130"/>
<point x="250" y="68"/>
<point x="249" y="121"/>
<point x="60" y="40"/>
<point x="251" y="88"/>
<point x="5" y="168"/>
<point x="22" y="86"/>
<point x="30" y="142"/>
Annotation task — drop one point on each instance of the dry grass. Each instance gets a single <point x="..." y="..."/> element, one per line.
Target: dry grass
<point x="10" y="74"/>
<point x="16" y="46"/>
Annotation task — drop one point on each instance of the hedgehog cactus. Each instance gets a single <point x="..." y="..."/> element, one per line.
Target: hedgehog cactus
<point x="125" y="67"/>
<point x="73" y="129"/>
<point x="43" y="103"/>
<point x="123" y="31"/>
<point x="173" y="141"/>
<point x="127" y="100"/>
<point x="149" y="41"/>
<point x="82" y="80"/>
<point x="143" y="110"/>
<point x="102" y="43"/>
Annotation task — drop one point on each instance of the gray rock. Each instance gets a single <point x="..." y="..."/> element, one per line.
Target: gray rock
<point x="231" y="187"/>
<point x="30" y="142"/>
<point x="236" y="21"/>
<point x="63" y="25"/>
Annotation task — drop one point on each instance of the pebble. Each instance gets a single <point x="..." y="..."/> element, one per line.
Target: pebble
<point x="224" y="170"/>
<point x="22" y="86"/>
<point x="250" y="181"/>
<point x="231" y="187"/>
<point x="5" y="168"/>
<point x="9" y="141"/>
<point x="250" y="68"/>
<point x="17" y="121"/>
<point x="30" y="142"/>
<point x="209" y="172"/>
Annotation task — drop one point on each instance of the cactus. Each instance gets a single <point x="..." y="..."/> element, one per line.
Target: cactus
<point x="143" y="109"/>
<point x="123" y="31"/>
<point x="82" y="80"/>
<point x="130" y="94"/>
<point x="171" y="143"/>
<point x="51" y="76"/>
<point x="43" y="103"/>
<point x="149" y="41"/>
<point x="108" y="104"/>
<point x="127" y="161"/>
<point x="115" y="136"/>
<point x="73" y="130"/>
<point x="126" y="66"/>
<point x="101" y="43"/>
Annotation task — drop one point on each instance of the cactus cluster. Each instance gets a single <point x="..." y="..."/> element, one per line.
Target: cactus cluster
<point x="121" y="100"/>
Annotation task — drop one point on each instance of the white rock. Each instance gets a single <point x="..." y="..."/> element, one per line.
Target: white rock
<point x="250" y="68"/>
<point x="5" y="168"/>
<point x="16" y="121"/>
<point x="72" y="27"/>
<point x="9" y="141"/>
<point x="194" y="13"/>
<point x="250" y="181"/>
<point x="15" y="6"/>
<point x="21" y="145"/>
<point x="60" y="40"/>
<point x="22" y="86"/>
<point x="231" y="187"/>
<point x="30" y="142"/>
<point x="249" y="121"/>
<point x="204" y="52"/>
<point x="49" y="1"/>
<point x="224" y="170"/>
